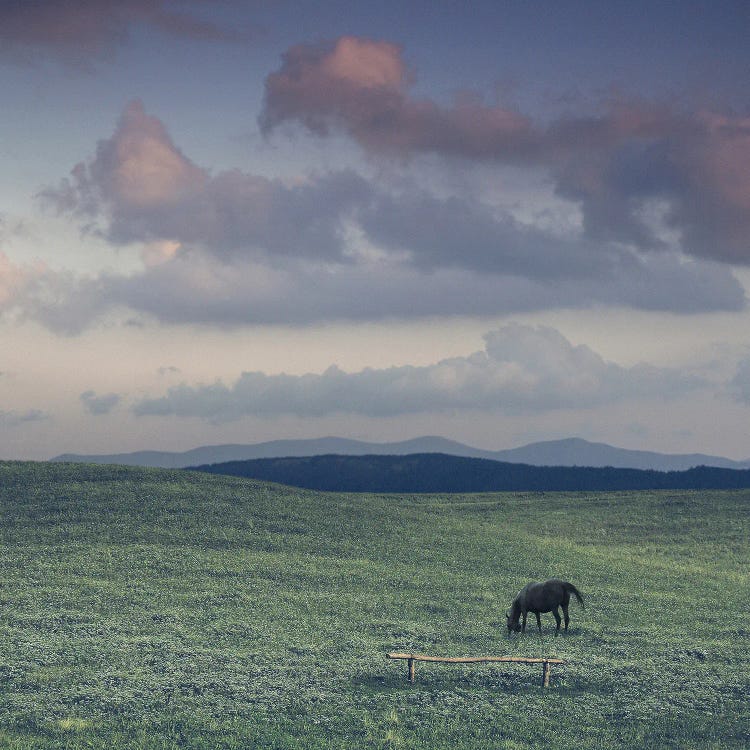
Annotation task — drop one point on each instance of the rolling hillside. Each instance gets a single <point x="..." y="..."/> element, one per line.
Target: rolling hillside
<point x="155" y="609"/>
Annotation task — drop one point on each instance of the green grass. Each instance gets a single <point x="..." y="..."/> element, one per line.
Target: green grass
<point x="159" y="609"/>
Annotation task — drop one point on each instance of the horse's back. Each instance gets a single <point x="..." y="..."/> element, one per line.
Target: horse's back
<point x="544" y="596"/>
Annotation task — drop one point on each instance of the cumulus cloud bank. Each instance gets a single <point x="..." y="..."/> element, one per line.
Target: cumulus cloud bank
<point x="521" y="369"/>
<point x="625" y="165"/>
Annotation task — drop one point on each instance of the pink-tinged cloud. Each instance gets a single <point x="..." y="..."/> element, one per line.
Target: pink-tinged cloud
<point x="365" y="63"/>
<point x="142" y="188"/>
<point x="79" y="31"/>
<point x="361" y="86"/>
<point x="622" y="165"/>
<point x="137" y="178"/>
<point x="141" y="168"/>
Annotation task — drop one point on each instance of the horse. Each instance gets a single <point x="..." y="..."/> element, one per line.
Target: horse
<point x="542" y="597"/>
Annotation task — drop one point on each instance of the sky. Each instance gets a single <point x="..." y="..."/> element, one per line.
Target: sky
<point x="499" y="222"/>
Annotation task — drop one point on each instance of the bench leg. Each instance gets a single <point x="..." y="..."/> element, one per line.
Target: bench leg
<point x="545" y="674"/>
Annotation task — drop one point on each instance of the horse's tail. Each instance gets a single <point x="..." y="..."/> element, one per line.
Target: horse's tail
<point x="573" y="590"/>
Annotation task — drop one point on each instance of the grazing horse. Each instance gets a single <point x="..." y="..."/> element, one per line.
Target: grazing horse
<point x="542" y="597"/>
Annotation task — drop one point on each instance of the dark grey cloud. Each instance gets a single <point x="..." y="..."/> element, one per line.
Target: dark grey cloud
<point x="620" y="165"/>
<point x="194" y="289"/>
<point x="98" y="405"/>
<point x="695" y="170"/>
<point x="13" y="418"/>
<point x="457" y="233"/>
<point x="522" y="369"/>
<point x="79" y="32"/>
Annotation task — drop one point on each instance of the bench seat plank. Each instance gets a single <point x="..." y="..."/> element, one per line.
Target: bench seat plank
<point x="545" y="661"/>
<point x="475" y="659"/>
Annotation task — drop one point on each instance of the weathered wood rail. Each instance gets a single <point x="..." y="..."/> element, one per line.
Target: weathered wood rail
<point x="545" y="661"/>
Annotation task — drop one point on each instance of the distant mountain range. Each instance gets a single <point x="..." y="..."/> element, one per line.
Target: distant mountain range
<point x="567" y="452"/>
<point x="436" y="473"/>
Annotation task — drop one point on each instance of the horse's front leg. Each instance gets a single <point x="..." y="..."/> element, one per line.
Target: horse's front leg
<point x="538" y="622"/>
<point x="523" y="626"/>
<point x="556" y="613"/>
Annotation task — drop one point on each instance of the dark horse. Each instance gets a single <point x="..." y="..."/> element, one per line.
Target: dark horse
<point x="542" y="597"/>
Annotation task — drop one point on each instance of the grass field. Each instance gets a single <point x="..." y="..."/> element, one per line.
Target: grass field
<point x="146" y="608"/>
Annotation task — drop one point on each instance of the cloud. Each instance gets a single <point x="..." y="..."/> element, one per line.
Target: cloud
<point x="19" y="284"/>
<point x="522" y="369"/>
<point x="142" y="188"/>
<point x="60" y="300"/>
<point x="146" y="190"/>
<point x="639" y="171"/>
<point x="739" y="386"/>
<point x="98" y="405"/>
<point x="235" y="248"/>
<point x="12" y="279"/>
<point x="690" y="178"/>
<point x="195" y="289"/>
<point x="81" y="31"/>
<point x="324" y="86"/>
<point x="16" y="419"/>
<point x="135" y="173"/>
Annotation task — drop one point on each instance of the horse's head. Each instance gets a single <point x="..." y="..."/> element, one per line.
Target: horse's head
<point x="512" y="620"/>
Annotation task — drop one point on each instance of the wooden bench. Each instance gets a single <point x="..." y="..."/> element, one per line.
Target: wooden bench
<point x="545" y="661"/>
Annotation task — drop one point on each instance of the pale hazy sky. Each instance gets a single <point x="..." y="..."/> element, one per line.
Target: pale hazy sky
<point x="496" y="221"/>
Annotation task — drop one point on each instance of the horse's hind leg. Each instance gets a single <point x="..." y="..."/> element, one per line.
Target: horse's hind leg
<point x="538" y="622"/>
<point x="556" y="614"/>
<point x="567" y="618"/>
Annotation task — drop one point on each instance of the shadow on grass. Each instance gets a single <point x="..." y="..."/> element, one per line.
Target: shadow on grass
<point x="511" y="682"/>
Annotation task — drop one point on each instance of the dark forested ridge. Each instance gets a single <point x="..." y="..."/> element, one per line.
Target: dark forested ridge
<point x="435" y="472"/>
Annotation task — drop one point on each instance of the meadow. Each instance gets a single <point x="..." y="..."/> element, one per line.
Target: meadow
<point x="146" y="608"/>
